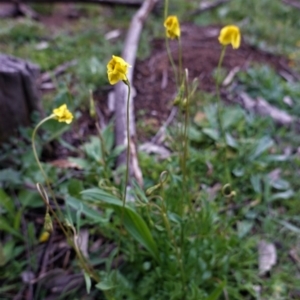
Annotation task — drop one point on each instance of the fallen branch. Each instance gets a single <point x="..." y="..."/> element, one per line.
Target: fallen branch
<point x="57" y="71"/>
<point x="16" y="9"/>
<point x="295" y="4"/>
<point x="160" y="135"/>
<point x="129" y="55"/>
<point x="207" y="5"/>
<point x="108" y="2"/>
<point x="263" y="108"/>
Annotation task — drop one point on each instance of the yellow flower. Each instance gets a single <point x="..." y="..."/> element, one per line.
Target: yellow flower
<point x="44" y="237"/>
<point x="172" y="27"/>
<point x="117" y="69"/>
<point x="62" y="114"/>
<point x="230" y="35"/>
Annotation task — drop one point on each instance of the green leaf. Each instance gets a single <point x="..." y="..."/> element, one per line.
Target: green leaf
<point x="263" y="144"/>
<point x="11" y="176"/>
<point x="282" y="196"/>
<point x="75" y="186"/>
<point x="256" y="183"/>
<point x="88" y="282"/>
<point x="133" y="222"/>
<point x="30" y="199"/>
<point x="93" y="149"/>
<point x="105" y="285"/>
<point x="5" y="226"/>
<point x="289" y="226"/>
<point x="243" y="228"/>
<point x="81" y="162"/>
<point x="194" y="134"/>
<point x="85" y="209"/>
<point x="231" y="117"/>
<point x="280" y="184"/>
<point x="108" y="137"/>
<point x="6" y="202"/>
<point x="216" y="293"/>
<point x="212" y="133"/>
<point x="230" y="141"/>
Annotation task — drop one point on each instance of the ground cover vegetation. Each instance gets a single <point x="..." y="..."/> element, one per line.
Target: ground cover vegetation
<point x="227" y="192"/>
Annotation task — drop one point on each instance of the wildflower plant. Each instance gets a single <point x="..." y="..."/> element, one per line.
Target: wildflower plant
<point x="172" y="240"/>
<point x="228" y="35"/>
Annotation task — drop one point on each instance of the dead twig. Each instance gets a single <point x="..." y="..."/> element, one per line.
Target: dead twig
<point x="129" y="55"/>
<point x="207" y="5"/>
<point x="159" y="137"/>
<point x="295" y="4"/>
<point x="107" y="2"/>
<point x="57" y="71"/>
<point x="263" y="108"/>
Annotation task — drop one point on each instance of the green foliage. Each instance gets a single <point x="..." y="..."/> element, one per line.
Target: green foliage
<point x="267" y="24"/>
<point x="23" y="31"/>
<point x="263" y="81"/>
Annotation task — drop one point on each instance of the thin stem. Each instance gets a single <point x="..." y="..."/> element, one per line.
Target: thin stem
<point x="178" y="253"/>
<point x="185" y="150"/>
<point x="180" y="71"/>
<point x="34" y="148"/>
<point x="82" y="260"/>
<point x="128" y="143"/>
<point x="166" y="8"/>
<point x="172" y="62"/>
<point x="219" y="113"/>
<point x="127" y="164"/>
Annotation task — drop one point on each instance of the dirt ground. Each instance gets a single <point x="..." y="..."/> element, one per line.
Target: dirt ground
<point x="154" y="80"/>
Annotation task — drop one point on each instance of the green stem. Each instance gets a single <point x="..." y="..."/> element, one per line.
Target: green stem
<point x="219" y="113"/>
<point x="178" y="253"/>
<point x="34" y="148"/>
<point x="180" y="71"/>
<point x="82" y="261"/>
<point x="128" y="143"/>
<point x="166" y="8"/>
<point x="172" y="62"/>
<point x="127" y="165"/>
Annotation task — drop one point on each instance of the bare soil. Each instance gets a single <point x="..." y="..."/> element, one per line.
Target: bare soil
<point x="154" y="79"/>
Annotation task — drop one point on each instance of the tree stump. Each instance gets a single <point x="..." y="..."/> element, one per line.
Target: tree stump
<point x="19" y="95"/>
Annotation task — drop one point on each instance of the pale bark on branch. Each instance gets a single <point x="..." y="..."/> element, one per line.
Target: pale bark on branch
<point x="107" y="2"/>
<point x="129" y="55"/>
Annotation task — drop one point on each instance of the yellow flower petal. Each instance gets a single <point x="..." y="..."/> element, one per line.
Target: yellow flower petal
<point x="117" y="69"/>
<point x="62" y="114"/>
<point x="172" y="27"/>
<point x="44" y="237"/>
<point x="230" y="35"/>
